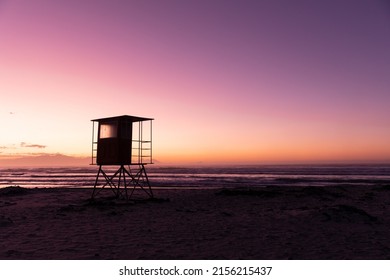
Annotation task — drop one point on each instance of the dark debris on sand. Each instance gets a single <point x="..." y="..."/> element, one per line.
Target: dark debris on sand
<point x="383" y="188"/>
<point x="5" y="221"/>
<point x="347" y="213"/>
<point x="13" y="190"/>
<point x="318" y="191"/>
<point x="250" y="192"/>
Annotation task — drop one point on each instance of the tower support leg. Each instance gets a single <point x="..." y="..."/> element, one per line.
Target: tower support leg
<point x="139" y="179"/>
<point x="128" y="181"/>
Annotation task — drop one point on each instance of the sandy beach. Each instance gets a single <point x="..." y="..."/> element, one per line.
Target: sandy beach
<point x="337" y="222"/>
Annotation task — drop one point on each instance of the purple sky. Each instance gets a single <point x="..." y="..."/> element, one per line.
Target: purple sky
<point x="226" y="81"/>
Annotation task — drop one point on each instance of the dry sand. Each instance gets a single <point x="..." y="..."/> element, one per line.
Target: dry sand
<point x="338" y="222"/>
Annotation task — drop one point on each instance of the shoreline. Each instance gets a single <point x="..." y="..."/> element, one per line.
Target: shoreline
<point x="333" y="222"/>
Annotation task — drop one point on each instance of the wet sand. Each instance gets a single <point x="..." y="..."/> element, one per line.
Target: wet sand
<point x="339" y="222"/>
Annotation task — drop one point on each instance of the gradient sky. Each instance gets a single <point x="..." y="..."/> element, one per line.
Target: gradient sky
<point x="226" y="81"/>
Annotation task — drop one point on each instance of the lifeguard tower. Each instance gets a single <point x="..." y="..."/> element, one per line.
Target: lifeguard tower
<point x="122" y="146"/>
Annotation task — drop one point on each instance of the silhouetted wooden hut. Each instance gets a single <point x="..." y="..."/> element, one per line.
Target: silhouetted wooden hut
<point x="124" y="141"/>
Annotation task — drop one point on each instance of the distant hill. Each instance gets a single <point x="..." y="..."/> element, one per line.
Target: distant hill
<point x="45" y="160"/>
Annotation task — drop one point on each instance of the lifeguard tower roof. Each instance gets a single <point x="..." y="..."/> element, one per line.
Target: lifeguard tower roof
<point x="124" y="117"/>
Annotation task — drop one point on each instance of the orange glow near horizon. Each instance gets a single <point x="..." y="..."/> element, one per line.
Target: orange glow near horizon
<point x="237" y="82"/>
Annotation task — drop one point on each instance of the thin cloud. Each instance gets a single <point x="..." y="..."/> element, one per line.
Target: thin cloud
<point x="9" y="147"/>
<point x="26" y="145"/>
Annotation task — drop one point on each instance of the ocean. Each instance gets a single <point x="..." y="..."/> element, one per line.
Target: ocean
<point x="207" y="177"/>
